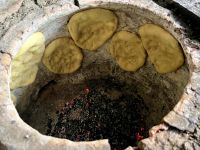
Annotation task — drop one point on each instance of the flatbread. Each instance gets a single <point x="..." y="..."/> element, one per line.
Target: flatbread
<point x="163" y="49"/>
<point x="62" y="56"/>
<point x="24" y="66"/>
<point x="91" y="28"/>
<point x="127" y="49"/>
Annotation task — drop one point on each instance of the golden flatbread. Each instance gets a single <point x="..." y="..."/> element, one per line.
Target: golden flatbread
<point x="91" y="28"/>
<point x="62" y="56"/>
<point x="127" y="50"/>
<point x="24" y="66"/>
<point x="163" y="49"/>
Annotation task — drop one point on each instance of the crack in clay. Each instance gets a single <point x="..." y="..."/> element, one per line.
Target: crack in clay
<point x="45" y="86"/>
<point x="76" y="2"/>
<point x="194" y="90"/>
<point x="2" y="52"/>
<point x="36" y="3"/>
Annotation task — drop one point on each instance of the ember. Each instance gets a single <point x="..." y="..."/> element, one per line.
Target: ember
<point x="138" y="137"/>
<point x="86" y="90"/>
<point x="103" y="110"/>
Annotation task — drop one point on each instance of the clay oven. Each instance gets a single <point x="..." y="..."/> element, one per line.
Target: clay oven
<point x="168" y="103"/>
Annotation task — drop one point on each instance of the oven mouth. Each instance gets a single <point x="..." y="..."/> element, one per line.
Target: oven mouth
<point x="56" y="105"/>
<point x="102" y="101"/>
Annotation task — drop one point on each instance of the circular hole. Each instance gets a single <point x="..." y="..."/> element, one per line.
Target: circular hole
<point x="100" y="100"/>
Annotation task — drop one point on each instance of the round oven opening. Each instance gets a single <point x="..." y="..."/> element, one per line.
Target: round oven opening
<point x="100" y="100"/>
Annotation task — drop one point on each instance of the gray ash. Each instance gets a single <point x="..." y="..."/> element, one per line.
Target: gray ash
<point x="103" y="110"/>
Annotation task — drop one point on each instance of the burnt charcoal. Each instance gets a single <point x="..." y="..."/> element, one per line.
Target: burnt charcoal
<point x="97" y="113"/>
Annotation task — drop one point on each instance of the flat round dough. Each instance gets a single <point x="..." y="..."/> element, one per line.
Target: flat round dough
<point x="24" y="66"/>
<point x="128" y="51"/>
<point x="62" y="56"/>
<point x="91" y="28"/>
<point x="163" y="49"/>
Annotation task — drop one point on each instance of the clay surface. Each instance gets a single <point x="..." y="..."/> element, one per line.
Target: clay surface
<point x="9" y="7"/>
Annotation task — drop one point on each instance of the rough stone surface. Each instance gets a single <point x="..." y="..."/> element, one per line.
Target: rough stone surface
<point x="44" y="3"/>
<point x="170" y="139"/>
<point x="185" y="16"/>
<point x="191" y="5"/>
<point x="9" y="7"/>
<point x="183" y="122"/>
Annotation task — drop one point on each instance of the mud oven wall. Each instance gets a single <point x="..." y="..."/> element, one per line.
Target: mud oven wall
<point x="180" y="128"/>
